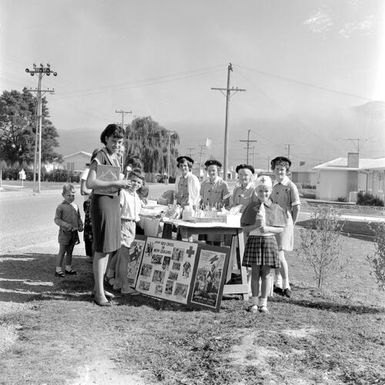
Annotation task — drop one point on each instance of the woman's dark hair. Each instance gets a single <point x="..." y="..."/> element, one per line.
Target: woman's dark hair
<point x="111" y="130"/>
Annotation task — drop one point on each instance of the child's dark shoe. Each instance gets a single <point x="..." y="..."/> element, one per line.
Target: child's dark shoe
<point x="70" y="272"/>
<point x="277" y="290"/>
<point x="286" y="293"/>
<point x="59" y="274"/>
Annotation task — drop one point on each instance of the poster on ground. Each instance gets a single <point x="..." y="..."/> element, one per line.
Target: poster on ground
<point x="209" y="276"/>
<point x="166" y="269"/>
<point x="134" y="258"/>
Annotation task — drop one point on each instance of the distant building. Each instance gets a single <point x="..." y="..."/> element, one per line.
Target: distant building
<point x="304" y="178"/>
<point x="345" y="177"/>
<point x="77" y="161"/>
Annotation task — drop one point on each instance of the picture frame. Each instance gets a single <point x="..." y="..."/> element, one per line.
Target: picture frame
<point x="166" y="269"/>
<point x="209" y="276"/>
<point x="134" y="258"/>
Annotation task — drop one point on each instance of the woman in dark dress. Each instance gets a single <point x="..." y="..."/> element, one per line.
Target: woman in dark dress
<point x="105" y="210"/>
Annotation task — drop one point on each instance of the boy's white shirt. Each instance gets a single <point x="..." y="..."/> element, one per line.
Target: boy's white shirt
<point x="130" y="205"/>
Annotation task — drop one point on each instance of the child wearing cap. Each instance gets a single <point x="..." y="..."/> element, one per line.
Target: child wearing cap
<point x="214" y="194"/>
<point x="262" y="220"/>
<point x="214" y="190"/>
<point x="67" y="217"/>
<point x="285" y="193"/>
<point x="187" y="186"/>
<point x="243" y="193"/>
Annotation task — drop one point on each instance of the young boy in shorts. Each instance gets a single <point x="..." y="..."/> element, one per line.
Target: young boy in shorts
<point x="67" y="217"/>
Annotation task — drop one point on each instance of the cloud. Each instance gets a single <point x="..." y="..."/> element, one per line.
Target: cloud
<point x="319" y="21"/>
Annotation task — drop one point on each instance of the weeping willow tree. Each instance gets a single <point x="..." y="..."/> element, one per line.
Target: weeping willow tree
<point x="151" y="143"/>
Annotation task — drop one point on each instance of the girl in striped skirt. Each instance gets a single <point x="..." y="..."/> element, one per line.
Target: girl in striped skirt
<point x="261" y="220"/>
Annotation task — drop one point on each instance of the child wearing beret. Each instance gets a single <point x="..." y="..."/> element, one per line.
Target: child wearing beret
<point x="285" y="193"/>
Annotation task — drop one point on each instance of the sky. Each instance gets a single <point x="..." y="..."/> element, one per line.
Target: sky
<point x="313" y="71"/>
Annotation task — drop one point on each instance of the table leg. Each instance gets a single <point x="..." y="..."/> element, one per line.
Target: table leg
<point x="243" y="287"/>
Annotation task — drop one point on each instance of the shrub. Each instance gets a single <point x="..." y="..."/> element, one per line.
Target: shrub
<point x="367" y="199"/>
<point x="377" y="260"/>
<point x="341" y="199"/>
<point x="320" y="245"/>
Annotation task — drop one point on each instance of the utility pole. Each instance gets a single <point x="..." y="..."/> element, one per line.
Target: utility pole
<point x="41" y="70"/>
<point x="228" y="95"/>
<point x="248" y="141"/>
<point x="125" y="144"/>
<point x="169" y="133"/>
<point x="288" y="146"/>
<point x="123" y="113"/>
<point x="189" y="149"/>
<point x="202" y="148"/>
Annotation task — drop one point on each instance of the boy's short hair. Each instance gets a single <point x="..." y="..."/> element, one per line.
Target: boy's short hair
<point x="136" y="172"/>
<point x="68" y="187"/>
<point x="111" y="130"/>
<point x="281" y="160"/>
<point x="133" y="161"/>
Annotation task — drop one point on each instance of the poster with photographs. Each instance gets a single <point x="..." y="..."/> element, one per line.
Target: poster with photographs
<point x="166" y="269"/>
<point x="209" y="276"/>
<point x="134" y="256"/>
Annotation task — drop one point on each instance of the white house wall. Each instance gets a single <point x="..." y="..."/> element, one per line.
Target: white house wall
<point x="332" y="184"/>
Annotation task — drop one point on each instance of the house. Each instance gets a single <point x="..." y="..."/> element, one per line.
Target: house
<point x="344" y="177"/>
<point x="304" y="178"/>
<point x="77" y="161"/>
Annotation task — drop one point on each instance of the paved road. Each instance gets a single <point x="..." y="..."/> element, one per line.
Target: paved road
<point x="26" y="218"/>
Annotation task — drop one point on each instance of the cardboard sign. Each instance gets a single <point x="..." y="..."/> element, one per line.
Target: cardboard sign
<point x="107" y="173"/>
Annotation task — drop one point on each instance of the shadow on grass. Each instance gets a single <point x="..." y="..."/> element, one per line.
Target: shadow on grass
<point x="31" y="276"/>
<point x="328" y="305"/>
<point x="362" y="230"/>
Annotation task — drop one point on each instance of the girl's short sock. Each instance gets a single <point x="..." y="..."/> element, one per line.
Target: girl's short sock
<point x="58" y="270"/>
<point x="254" y="300"/>
<point x="68" y="267"/>
<point x="262" y="302"/>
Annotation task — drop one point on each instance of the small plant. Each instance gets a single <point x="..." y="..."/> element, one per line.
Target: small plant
<point x="341" y="199"/>
<point x="367" y="199"/>
<point x="320" y="246"/>
<point x="377" y="260"/>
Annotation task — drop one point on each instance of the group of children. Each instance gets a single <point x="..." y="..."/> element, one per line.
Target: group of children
<point x="270" y="211"/>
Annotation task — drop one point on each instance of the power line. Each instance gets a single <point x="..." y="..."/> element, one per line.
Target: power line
<point x="302" y="83"/>
<point x="41" y="70"/>
<point x="228" y="95"/>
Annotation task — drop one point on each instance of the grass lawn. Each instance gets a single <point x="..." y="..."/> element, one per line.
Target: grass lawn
<point x="52" y="333"/>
